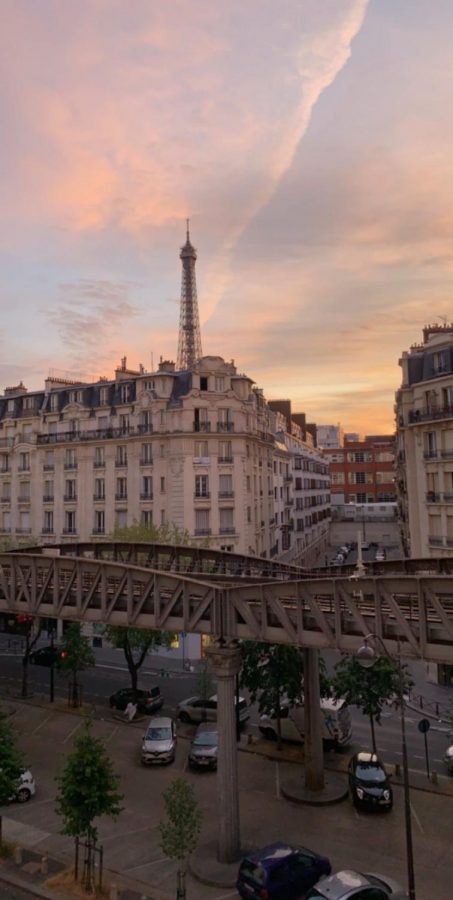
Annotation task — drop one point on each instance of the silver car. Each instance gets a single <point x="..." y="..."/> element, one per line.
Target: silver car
<point x="347" y="884"/>
<point x="159" y="741"/>
<point x="204" y="747"/>
<point x="448" y="759"/>
<point x="196" y="709"/>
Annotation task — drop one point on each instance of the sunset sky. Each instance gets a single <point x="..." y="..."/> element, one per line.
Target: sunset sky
<point x="309" y="141"/>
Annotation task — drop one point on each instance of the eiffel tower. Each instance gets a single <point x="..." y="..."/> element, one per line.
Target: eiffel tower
<point x="189" y="343"/>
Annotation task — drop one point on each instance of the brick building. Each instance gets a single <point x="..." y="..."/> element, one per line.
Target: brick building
<point x="363" y="471"/>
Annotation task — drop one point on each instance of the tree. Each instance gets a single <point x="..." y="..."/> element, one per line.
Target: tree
<point x="179" y="835"/>
<point x="153" y="534"/>
<point x="76" y="655"/>
<point x="272" y="672"/>
<point x="11" y="764"/>
<point x="87" y="790"/>
<point x="136" y="641"/>
<point x="369" y="689"/>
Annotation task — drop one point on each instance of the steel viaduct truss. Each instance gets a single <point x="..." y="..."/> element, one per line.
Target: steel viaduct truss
<point x="413" y="613"/>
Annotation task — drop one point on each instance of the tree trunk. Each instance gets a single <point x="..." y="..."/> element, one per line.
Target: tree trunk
<point x="373" y="735"/>
<point x="181" y="885"/>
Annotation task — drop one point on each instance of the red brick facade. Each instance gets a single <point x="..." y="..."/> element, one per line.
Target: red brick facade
<point x="364" y="470"/>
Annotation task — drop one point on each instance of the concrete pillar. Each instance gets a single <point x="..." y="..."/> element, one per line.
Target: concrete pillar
<point x="225" y="663"/>
<point x="314" y="759"/>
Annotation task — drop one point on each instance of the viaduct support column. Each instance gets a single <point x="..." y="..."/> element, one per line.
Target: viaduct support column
<point x="225" y="664"/>
<point x="314" y="762"/>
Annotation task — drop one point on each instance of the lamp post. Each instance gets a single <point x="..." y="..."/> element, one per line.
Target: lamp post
<point x="367" y="656"/>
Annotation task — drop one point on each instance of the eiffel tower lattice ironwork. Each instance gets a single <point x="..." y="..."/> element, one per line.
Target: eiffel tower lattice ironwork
<point x="189" y="343"/>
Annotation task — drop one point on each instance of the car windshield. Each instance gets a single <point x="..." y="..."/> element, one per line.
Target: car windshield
<point x="207" y="738"/>
<point x="158" y="734"/>
<point x="370" y="773"/>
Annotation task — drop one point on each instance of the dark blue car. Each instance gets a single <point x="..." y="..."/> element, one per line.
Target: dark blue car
<point x="280" y="872"/>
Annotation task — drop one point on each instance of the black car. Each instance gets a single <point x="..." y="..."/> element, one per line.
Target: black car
<point x="146" y="701"/>
<point x="280" y="871"/>
<point x="369" y="782"/>
<point x="45" y="656"/>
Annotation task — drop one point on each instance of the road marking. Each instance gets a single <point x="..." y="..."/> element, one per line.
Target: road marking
<point x="112" y="734"/>
<point x="417" y="819"/>
<point x="69" y="736"/>
<point x="113" y="837"/>
<point x="152" y="862"/>
<point x="41" y="724"/>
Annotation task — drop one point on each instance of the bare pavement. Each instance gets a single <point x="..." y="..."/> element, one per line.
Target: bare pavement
<point x="133" y="858"/>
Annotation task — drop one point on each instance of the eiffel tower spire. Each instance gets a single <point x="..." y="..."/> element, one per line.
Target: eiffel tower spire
<point x="189" y="343"/>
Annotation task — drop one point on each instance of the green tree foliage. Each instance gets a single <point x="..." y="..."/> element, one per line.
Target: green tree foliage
<point x="370" y="689"/>
<point x="11" y="764"/>
<point x="271" y="672"/>
<point x="152" y="534"/>
<point x="76" y="655"/>
<point x="87" y="790"/>
<point x="136" y="643"/>
<point x="179" y="834"/>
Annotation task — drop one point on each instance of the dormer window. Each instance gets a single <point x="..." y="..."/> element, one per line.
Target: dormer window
<point x="149" y="385"/>
<point x="10" y="406"/>
<point x="76" y="397"/>
<point x="104" y="396"/>
<point x="203" y="383"/>
<point x="54" y="402"/>
<point x="29" y="402"/>
<point x="125" y="393"/>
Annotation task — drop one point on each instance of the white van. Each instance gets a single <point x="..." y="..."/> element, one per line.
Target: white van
<point x="336" y="730"/>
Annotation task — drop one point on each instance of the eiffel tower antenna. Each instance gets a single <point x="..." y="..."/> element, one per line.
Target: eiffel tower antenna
<point x="189" y="343"/>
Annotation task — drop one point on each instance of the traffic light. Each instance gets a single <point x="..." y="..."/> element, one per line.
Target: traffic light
<point x="62" y="654"/>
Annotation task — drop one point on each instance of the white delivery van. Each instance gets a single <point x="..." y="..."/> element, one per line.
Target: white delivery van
<point x="336" y="724"/>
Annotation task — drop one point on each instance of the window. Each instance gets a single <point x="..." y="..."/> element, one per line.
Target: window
<point x="28" y="403"/>
<point x="70" y="491"/>
<point x="54" y="398"/>
<point x="121" y="518"/>
<point x="146" y="517"/>
<point x="6" y="522"/>
<point x="121" y="488"/>
<point x="224" y="420"/>
<point x="48" y="492"/>
<point x="225" y="451"/>
<point x="431" y="444"/>
<point x="76" y="396"/>
<point x="201" y="486"/>
<point x="200" y="422"/>
<point x="203" y="383"/>
<point x="384" y="477"/>
<point x="103" y="396"/>
<point x="24" y="462"/>
<point x="384" y="456"/>
<point x="49" y="461"/>
<point x="24" y="491"/>
<point x="202" y="521"/>
<point x="147" y="488"/>
<point x="162" y="451"/>
<point x="361" y="498"/>
<point x="124" y="424"/>
<point x="99" y="522"/>
<point x="146" y="456"/>
<point x="249" y="514"/>
<point x="4" y="462"/>
<point x="99" y="457"/>
<point x="162" y="517"/>
<point x="219" y="383"/>
<point x="225" y="486"/>
<point x="125" y="393"/>
<point x="48" y="522"/>
<point x="149" y="385"/>
<point x="359" y="456"/>
<point x="70" y="522"/>
<point x="201" y="450"/>
<point x="74" y="426"/>
<point x="24" y="523"/>
<point x="99" y="489"/>
<point x="226" y="521"/>
<point x="27" y="432"/>
<point x="103" y="423"/>
<point x="441" y="362"/>
<point x="121" y="455"/>
<point x="337" y="477"/>
<point x="162" y="484"/>
<point x="248" y="483"/>
<point x="11" y="406"/>
<point x="6" y="491"/>
<point x="146" y="424"/>
<point x="70" y="458"/>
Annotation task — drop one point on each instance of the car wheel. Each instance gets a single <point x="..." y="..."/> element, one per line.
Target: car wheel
<point x="184" y="717"/>
<point x="23" y="795"/>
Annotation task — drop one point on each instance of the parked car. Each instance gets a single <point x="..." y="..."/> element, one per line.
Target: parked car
<point x="280" y="872"/>
<point x="45" y="656"/>
<point x="159" y="741"/>
<point x="448" y="759"/>
<point x="204" y="747"/>
<point x="195" y="709"/>
<point x="380" y="555"/>
<point x="365" y="545"/>
<point x="347" y="884"/>
<point x="26" y="787"/>
<point x="369" y="782"/>
<point x="146" y="701"/>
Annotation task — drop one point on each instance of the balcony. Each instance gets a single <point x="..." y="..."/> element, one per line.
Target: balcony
<point x="23" y="530"/>
<point x="144" y="461"/>
<point x="121" y="497"/>
<point x="146" y="495"/>
<point x="144" y="428"/>
<point x="435" y="541"/>
<point x="121" y="463"/>
<point x="25" y="468"/>
<point x="98" y="498"/>
<point x="287" y="479"/>
<point x="229" y="529"/>
<point x="98" y="531"/>
<point x="23" y="499"/>
<point x="70" y="530"/>
<point x="98" y="434"/>
<point x="430" y="454"/>
<point x="49" y="467"/>
<point x="5" y="529"/>
<point x="70" y="465"/>
<point x="226" y="495"/>
<point x="99" y="464"/>
<point x="225" y="460"/>
<point x="225" y="427"/>
<point x="426" y="415"/>
<point x="202" y="426"/>
<point x="70" y="498"/>
<point x="6" y="442"/>
<point x="48" y="498"/>
<point x="5" y="470"/>
<point x="202" y="460"/>
<point x="5" y="499"/>
<point x="205" y="495"/>
<point x="202" y="532"/>
<point x="48" y="531"/>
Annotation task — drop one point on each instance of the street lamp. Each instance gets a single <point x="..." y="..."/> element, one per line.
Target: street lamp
<point x="367" y="656"/>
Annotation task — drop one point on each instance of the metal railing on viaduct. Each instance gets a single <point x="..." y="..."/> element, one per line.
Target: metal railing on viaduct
<point x="412" y="611"/>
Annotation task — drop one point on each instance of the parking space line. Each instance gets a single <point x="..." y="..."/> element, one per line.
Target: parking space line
<point x="152" y="862"/>
<point x="417" y="819"/>
<point x="41" y="724"/>
<point x="112" y="837"/>
<point x="112" y="734"/>
<point x="69" y="736"/>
